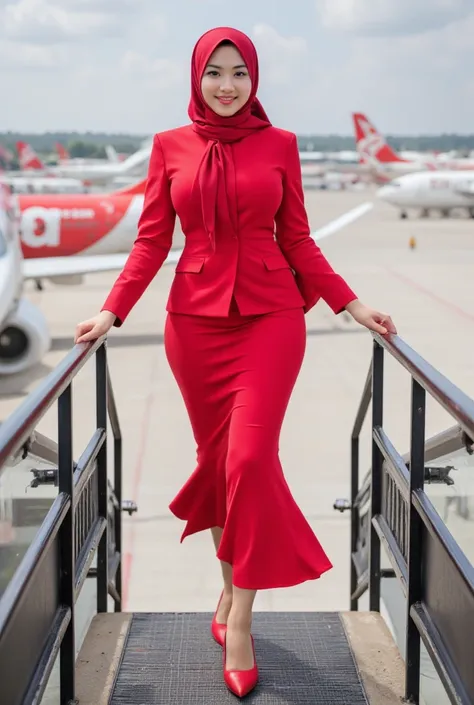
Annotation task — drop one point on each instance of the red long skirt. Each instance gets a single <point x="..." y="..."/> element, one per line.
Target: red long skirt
<point x="236" y="375"/>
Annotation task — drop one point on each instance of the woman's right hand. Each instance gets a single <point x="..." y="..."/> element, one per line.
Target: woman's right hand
<point x="94" y="327"/>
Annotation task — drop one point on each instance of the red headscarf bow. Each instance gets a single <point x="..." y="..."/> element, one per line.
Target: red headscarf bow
<point x="215" y="175"/>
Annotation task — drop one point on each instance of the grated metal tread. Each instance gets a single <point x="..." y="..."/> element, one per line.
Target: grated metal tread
<point x="303" y="658"/>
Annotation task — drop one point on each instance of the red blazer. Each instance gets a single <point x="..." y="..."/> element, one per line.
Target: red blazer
<point x="272" y="264"/>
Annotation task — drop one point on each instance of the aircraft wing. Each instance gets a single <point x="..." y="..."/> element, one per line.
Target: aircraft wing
<point x="51" y="267"/>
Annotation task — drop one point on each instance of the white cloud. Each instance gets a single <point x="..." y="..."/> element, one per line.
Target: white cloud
<point x="116" y="6"/>
<point x="15" y="55"/>
<point x="164" y="73"/>
<point x="390" y="17"/>
<point x="47" y="21"/>
<point x="278" y="55"/>
<point x="124" y="64"/>
<point x="406" y="84"/>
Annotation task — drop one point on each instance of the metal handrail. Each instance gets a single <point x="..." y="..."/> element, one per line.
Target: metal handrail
<point x="451" y="398"/>
<point x="83" y="522"/>
<point x="393" y="509"/>
<point x="16" y="429"/>
<point x="458" y="404"/>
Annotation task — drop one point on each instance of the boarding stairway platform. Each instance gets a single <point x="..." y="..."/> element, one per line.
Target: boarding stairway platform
<point x="305" y="658"/>
<point x="346" y="658"/>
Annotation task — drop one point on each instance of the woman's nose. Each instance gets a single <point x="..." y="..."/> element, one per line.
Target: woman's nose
<point x="227" y="84"/>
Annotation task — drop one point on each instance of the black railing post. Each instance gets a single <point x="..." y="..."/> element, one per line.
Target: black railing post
<point x="118" y="517"/>
<point x="354" y="517"/>
<point x="67" y="549"/>
<point x="102" y="485"/>
<point x="376" y="484"/>
<point x="415" y="533"/>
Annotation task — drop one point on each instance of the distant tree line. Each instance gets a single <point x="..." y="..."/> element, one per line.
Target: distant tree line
<point x="92" y="144"/>
<point x="417" y="143"/>
<point x="87" y="145"/>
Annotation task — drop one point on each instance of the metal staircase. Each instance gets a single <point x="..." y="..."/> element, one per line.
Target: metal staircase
<point x="346" y="658"/>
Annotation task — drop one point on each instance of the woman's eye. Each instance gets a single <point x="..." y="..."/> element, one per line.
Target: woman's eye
<point x="213" y="72"/>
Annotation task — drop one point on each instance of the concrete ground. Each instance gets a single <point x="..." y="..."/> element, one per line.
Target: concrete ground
<point x="428" y="291"/>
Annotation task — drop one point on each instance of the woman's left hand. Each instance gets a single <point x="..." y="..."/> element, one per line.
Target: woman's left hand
<point x="371" y="319"/>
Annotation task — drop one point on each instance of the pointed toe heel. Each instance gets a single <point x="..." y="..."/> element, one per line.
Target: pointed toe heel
<point x="241" y="683"/>
<point x="218" y="631"/>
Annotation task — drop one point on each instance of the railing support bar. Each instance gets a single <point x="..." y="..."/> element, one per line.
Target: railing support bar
<point x="415" y="549"/>
<point x="102" y="484"/>
<point x="67" y="547"/>
<point x="376" y="484"/>
<point x="118" y="518"/>
<point x="354" y="519"/>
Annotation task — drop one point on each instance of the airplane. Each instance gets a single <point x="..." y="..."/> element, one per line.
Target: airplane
<point x="28" y="158"/>
<point x="102" y="171"/>
<point x="24" y="337"/>
<point x="377" y="155"/>
<point x="65" y="159"/>
<point x="24" y="330"/>
<point x="386" y="163"/>
<point x="44" y="184"/>
<point x="426" y="191"/>
<point x="61" y="225"/>
<point x="107" y="170"/>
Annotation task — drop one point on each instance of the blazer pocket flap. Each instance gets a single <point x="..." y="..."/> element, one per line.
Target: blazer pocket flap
<point x="276" y="261"/>
<point x="190" y="264"/>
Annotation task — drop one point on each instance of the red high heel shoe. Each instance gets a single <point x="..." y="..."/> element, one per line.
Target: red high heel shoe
<point x="240" y="683"/>
<point x="218" y="630"/>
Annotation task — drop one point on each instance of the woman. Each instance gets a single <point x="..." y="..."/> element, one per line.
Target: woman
<point x="235" y="328"/>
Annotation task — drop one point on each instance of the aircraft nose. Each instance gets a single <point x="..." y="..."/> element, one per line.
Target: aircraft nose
<point x="385" y="193"/>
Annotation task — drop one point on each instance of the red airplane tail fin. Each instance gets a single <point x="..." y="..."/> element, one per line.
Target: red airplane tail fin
<point x="370" y="144"/>
<point x="63" y="154"/>
<point x="28" y="157"/>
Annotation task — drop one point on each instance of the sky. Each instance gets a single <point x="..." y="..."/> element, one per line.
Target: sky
<point x="124" y="65"/>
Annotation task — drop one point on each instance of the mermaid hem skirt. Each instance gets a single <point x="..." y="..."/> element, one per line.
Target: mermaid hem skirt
<point x="236" y="375"/>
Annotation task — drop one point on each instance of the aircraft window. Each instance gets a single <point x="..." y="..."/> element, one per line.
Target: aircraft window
<point x="439" y="183"/>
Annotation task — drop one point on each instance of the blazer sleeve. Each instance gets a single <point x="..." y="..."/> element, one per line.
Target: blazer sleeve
<point x="153" y="241"/>
<point x="315" y="276"/>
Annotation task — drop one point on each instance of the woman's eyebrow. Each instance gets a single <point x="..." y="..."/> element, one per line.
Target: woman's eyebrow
<point x="240" y="66"/>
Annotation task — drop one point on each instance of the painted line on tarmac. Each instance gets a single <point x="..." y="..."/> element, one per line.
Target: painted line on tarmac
<point x="335" y="225"/>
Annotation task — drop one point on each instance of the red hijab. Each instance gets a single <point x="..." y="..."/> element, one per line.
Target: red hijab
<point x="216" y="173"/>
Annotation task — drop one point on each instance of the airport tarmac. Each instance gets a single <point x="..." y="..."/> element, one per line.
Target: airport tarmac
<point x="427" y="290"/>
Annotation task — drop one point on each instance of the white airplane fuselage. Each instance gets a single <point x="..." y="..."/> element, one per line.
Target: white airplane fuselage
<point x="441" y="190"/>
<point x="10" y="266"/>
<point x="107" y="171"/>
<point x="24" y="334"/>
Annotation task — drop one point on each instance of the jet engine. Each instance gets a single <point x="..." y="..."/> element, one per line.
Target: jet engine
<point x="24" y="339"/>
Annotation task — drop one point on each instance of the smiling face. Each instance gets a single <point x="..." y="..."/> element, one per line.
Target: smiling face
<point x="226" y="84"/>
